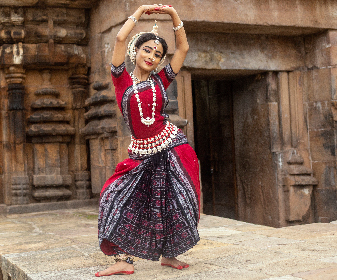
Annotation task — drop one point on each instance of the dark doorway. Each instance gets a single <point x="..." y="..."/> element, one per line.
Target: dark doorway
<point x="214" y="145"/>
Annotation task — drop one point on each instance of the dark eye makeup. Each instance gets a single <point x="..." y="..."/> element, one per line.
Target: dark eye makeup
<point x="149" y="49"/>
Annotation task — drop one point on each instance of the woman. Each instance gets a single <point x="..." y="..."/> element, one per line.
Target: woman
<point x="150" y="206"/>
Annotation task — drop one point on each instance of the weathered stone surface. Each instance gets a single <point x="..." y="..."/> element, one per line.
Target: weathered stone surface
<point x="59" y="3"/>
<point x="41" y="54"/>
<point x="62" y="245"/>
<point x="177" y="120"/>
<point x="52" y="180"/>
<point x="49" y="116"/>
<point x="107" y="110"/>
<point x="292" y="108"/>
<point x="51" y="194"/>
<point x="99" y="127"/>
<point x="99" y="97"/>
<point x="50" y="129"/>
<point x="234" y="51"/>
<point x="322" y="145"/>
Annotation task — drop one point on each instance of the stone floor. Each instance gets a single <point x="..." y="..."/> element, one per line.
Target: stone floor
<point x="62" y="245"/>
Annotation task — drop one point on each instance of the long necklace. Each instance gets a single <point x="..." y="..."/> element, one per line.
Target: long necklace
<point x="147" y="121"/>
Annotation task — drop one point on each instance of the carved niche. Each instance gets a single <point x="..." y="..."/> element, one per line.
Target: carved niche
<point x="51" y="133"/>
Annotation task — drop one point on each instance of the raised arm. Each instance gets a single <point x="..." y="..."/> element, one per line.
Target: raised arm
<point x="118" y="54"/>
<point x="182" y="46"/>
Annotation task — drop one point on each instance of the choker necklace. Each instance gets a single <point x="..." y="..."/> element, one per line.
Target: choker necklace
<point x="147" y="121"/>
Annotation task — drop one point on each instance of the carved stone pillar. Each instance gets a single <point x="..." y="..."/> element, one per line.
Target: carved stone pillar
<point x="79" y="88"/>
<point x="298" y="188"/>
<point x="50" y="133"/>
<point x="101" y="131"/>
<point x="15" y="174"/>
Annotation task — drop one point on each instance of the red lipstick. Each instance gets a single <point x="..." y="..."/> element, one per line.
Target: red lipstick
<point x="148" y="63"/>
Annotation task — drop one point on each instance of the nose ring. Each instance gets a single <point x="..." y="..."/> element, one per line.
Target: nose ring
<point x="153" y="59"/>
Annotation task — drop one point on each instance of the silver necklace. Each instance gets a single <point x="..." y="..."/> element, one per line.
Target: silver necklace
<point x="147" y="121"/>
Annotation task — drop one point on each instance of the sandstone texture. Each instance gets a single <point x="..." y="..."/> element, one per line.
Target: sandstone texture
<point x="256" y="98"/>
<point x="63" y="245"/>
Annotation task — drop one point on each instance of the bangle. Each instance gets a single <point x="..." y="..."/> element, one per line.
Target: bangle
<point x="181" y="24"/>
<point x="133" y="19"/>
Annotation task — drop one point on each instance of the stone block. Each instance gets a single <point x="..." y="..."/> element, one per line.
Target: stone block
<point x="110" y="143"/>
<point x="3" y="210"/>
<point x="299" y="170"/>
<point x="50" y="129"/>
<point x="82" y="184"/>
<point x="332" y="37"/>
<point x="60" y="56"/>
<point x="322" y="145"/>
<point x="20" y="180"/>
<point x="82" y="176"/>
<point x="275" y="138"/>
<point x="235" y="51"/>
<point x="29" y="54"/>
<point x="320" y="115"/>
<point x="51" y="194"/>
<point x="42" y="53"/>
<point x="318" y="85"/>
<point x="98" y="178"/>
<point x="100" y="97"/>
<point x="333" y="55"/>
<point x="98" y="127"/>
<point x="52" y="180"/>
<point x="317" y="56"/>
<point x="297" y="202"/>
<point x="325" y="203"/>
<point x="325" y="173"/>
<point x="334" y="83"/>
<point x="107" y="110"/>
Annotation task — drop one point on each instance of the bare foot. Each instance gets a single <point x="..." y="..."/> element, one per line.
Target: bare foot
<point x="121" y="266"/>
<point x="173" y="262"/>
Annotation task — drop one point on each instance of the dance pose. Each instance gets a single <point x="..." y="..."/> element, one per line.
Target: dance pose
<point x="149" y="208"/>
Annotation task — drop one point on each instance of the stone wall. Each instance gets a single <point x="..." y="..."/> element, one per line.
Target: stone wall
<point x="62" y="134"/>
<point x="44" y="83"/>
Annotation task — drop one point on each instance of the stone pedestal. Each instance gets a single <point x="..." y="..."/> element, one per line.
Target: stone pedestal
<point x="101" y="132"/>
<point x="79" y="88"/>
<point x="298" y="189"/>
<point x="50" y="133"/>
<point x="15" y="170"/>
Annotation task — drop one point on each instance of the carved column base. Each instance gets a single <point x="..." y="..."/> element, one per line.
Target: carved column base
<point x="297" y="199"/>
<point x="20" y="190"/>
<point x="298" y="188"/>
<point x="51" y="194"/>
<point x="82" y="183"/>
<point x="50" y="188"/>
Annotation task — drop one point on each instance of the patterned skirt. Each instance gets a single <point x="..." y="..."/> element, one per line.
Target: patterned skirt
<point x="150" y="208"/>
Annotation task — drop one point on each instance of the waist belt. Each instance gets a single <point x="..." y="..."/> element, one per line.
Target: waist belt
<point x="155" y="144"/>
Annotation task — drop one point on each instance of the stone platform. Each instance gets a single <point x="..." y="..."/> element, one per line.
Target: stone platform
<point x="62" y="245"/>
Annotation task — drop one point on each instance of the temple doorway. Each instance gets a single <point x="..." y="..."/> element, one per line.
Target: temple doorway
<point x="214" y="145"/>
<point x="232" y="141"/>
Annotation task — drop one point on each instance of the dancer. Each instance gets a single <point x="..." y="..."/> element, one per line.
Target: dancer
<point x="149" y="208"/>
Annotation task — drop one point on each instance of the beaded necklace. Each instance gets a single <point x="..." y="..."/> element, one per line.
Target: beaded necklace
<point x="147" y="121"/>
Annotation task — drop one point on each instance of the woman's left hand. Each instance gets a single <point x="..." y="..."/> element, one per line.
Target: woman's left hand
<point x="162" y="9"/>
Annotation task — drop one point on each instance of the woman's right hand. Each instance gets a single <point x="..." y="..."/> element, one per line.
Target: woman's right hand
<point x="149" y="9"/>
<point x="156" y="9"/>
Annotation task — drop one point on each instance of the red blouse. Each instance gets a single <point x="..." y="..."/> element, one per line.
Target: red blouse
<point x="128" y="105"/>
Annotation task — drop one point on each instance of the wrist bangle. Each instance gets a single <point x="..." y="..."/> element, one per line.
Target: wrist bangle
<point x="133" y="19"/>
<point x="181" y="24"/>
